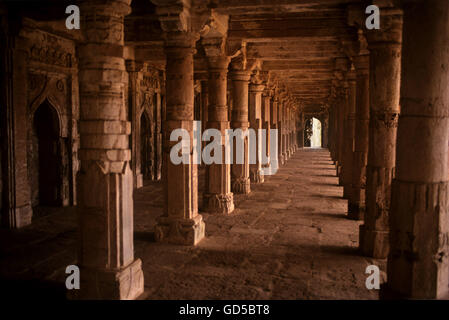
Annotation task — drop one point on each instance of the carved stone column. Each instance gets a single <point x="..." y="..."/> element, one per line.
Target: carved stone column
<point x="332" y="136"/>
<point x="349" y="133"/>
<point x="325" y="132"/>
<point x="281" y="130"/>
<point x="342" y="105"/>
<point x="255" y="118"/>
<point x="385" y="71"/>
<point x="418" y="262"/>
<point x="105" y="185"/>
<point x="289" y="147"/>
<point x="341" y="67"/>
<point x="16" y="211"/>
<point x="274" y="118"/>
<point x="240" y="171"/>
<point x="133" y="68"/>
<point x="356" y="204"/>
<point x="218" y="196"/>
<point x="293" y="130"/>
<point x="180" y="223"/>
<point x="204" y="106"/>
<point x="301" y="130"/>
<point x="266" y="123"/>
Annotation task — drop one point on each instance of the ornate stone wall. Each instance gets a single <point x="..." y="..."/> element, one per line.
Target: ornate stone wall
<point x="52" y="80"/>
<point x="145" y="113"/>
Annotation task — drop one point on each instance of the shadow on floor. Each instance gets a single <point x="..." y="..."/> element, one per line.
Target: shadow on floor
<point x="35" y="289"/>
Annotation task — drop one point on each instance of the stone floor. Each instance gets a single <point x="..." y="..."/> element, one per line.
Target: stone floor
<point x="288" y="239"/>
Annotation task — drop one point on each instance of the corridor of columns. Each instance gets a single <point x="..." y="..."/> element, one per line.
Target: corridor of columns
<point x="276" y="245"/>
<point x="225" y="149"/>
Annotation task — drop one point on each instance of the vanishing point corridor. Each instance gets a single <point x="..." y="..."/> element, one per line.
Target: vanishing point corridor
<point x="288" y="239"/>
<point x="116" y="118"/>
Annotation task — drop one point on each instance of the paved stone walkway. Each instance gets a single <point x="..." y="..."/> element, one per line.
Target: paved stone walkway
<point x="288" y="239"/>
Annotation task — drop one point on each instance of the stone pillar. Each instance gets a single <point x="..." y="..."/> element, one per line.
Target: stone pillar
<point x="274" y="118"/>
<point x="349" y="133"/>
<point x="16" y="211"/>
<point x="325" y="132"/>
<point x="218" y="196"/>
<point x="385" y="71"/>
<point x="181" y="223"/>
<point x="356" y="204"/>
<point x="341" y="116"/>
<point x="266" y="123"/>
<point x="418" y="262"/>
<point x="105" y="185"/>
<point x="133" y="68"/>
<point x="281" y="129"/>
<point x="331" y="130"/>
<point x="205" y="105"/>
<point x="293" y="130"/>
<point x="285" y="131"/>
<point x="240" y="172"/>
<point x="255" y="118"/>
<point x="301" y="130"/>
<point x="289" y="132"/>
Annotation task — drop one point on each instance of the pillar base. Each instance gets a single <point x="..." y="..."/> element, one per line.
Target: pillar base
<point x="256" y="176"/>
<point x="241" y="185"/>
<point x="218" y="203"/>
<point x="281" y="159"/>
<point x="373" y="243"/>
<point x="356" y="211"/>
<point x="123" y="284"/>
<point x="139" y="181"/>
<point x="17" y="217"/>
<point x="180" y="231"/>
<point x="340" y="180"/>
<point x="339" y="167"/>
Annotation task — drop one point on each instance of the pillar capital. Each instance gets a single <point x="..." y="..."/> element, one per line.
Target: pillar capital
<point x="390" y="32"/>
<point x="237" y="75"/>
<point x="97" y="8"/>
<point x="218" y="63"/>
<point x="253" y="87"/>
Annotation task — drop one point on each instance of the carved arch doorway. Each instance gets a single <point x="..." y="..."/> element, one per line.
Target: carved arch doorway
<point x="46" y="172"/>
